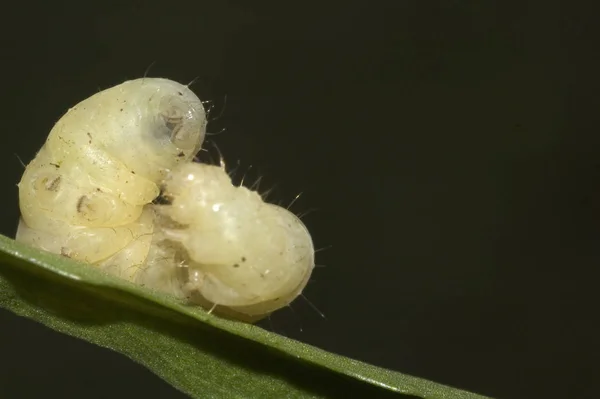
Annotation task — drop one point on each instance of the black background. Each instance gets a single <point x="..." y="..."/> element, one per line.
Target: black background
<point x="450" y="147"/>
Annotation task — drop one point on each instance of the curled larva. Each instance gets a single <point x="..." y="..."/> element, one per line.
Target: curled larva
<point x="93" y="193"/>
<point x="84" y="194"/>
<point x="236" y="250"/>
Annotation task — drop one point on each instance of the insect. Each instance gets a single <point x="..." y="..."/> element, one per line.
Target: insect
<point x="115" y="186"/>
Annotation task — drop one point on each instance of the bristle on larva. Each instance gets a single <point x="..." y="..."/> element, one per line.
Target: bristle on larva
<point x="115" y="185"/>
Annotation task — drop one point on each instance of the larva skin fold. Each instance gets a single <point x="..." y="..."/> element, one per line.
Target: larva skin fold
<point x="89" y="193"/>
<point x="240" y="252"/>
<point x="84" y="193"/>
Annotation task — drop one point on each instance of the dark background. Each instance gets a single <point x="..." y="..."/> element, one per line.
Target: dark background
<point x="450" y="147"/>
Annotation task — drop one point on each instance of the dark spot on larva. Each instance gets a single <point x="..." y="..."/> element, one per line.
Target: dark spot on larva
<point x="53" y="185"/>
<point x="180" y="93"/>
<point x="97" y="189"/>
<point x="163" y="199"/>
<point x="80" y="203"/>
<point x="132" y="172"/>
<point x="243" y="258"/>
<point x="276" y="299"/>
<point x="236" y="265"/>
<point x="90" y="136"/>
<point x="55" y="165"/>
<point x="262" y="275"/>
<point x="181" y="154"/>
<point x="121" y="110"/>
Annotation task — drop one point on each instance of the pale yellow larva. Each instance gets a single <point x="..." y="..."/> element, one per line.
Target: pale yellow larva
<point x="239" y="252"/>
<point x="84" y="194"/>
<point x="88" y="195"/>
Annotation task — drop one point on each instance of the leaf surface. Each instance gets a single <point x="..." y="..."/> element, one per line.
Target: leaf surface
<point x="198" y="353"/>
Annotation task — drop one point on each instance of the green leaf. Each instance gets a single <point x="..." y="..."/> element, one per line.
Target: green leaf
<point x="198" y="353"/>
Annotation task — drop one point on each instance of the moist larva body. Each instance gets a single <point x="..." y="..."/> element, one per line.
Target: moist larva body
<point x="237" y="250"/>
<point x="88" y="195"/>
<point x="84" y="193"/>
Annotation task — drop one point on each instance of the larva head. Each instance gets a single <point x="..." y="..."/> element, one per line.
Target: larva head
<point x="148" y="125"/>
<point x="242" y="253"/>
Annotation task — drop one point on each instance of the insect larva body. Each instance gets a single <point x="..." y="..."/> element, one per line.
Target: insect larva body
<point x="237" y="250"/>
<point x="103" y="161"/>
<point x="90" y="194"/>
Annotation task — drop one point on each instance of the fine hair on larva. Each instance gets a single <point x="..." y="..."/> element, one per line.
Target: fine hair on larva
<point x="265" y="194"/>
<point x="289" y="205"/>
<point x="115" y="185"/>
<point x="254" y="185"/>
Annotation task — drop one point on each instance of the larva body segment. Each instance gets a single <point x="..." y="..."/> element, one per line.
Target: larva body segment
<point x="237" y="250"/>
<point x="90" y="194"/>
<point x="103" y="161"/>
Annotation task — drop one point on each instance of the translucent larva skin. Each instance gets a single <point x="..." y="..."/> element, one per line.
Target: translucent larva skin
<point x="84" y="193"/>
<point x="235" y="250"/>
<point x="89" y="194"/>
